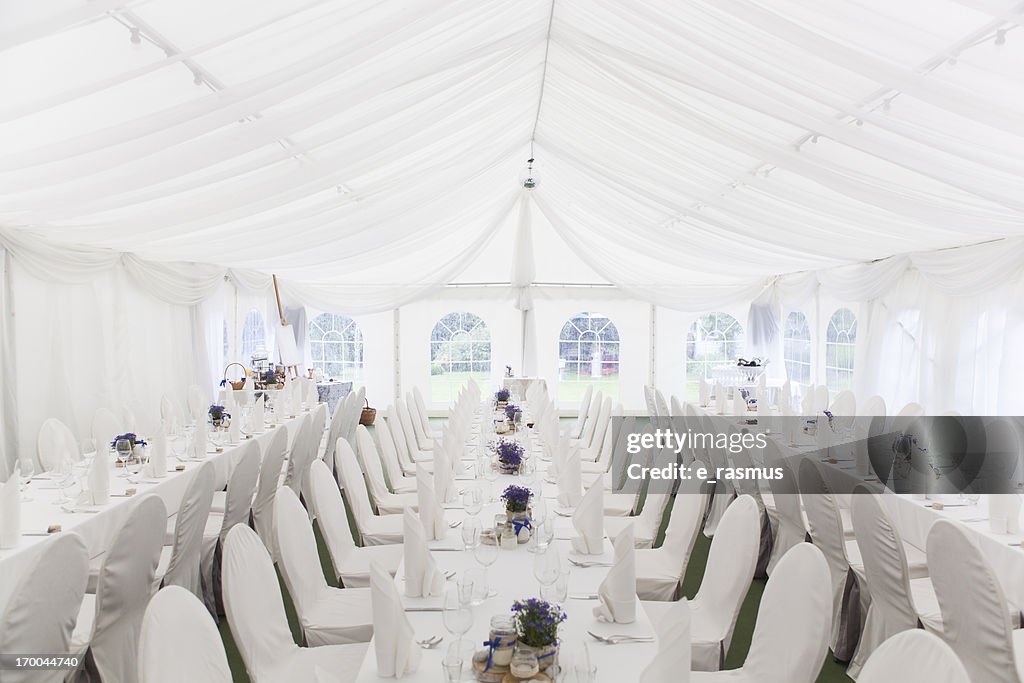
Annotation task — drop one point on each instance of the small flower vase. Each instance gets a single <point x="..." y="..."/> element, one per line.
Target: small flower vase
<point x="521" y="524"/>
<point x="546" y="654"/>
<point x="137" y="452"/>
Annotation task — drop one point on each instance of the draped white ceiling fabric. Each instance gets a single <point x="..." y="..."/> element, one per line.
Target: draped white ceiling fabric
<point x="368" y="150"/>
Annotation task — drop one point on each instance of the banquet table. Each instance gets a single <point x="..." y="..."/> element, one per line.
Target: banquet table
<point x="332" y="392"/>
<point x="98" y="524"/>
<point x="511" y="578"/>
<point x="518" y="386"/>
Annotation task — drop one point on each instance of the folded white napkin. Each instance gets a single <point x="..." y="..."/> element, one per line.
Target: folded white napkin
<point x="431" y="512"/>
<point x="673" y="659"/>
<point x="157" y="466"/>
<point x="422" y="577"/>
<point x="719" y="398"/>
<point x="229" y="399"/>
<point x="562" y="451"/>
<point x="258" y="416"/>
<point x="235" y="428"/>
<point x="570" y="482"/>
<point x="250" y="382"/>
<point x="1004" y="513"/>
<point x="739" y="404"/>
<point x="200" y="438"/>
<point x="617" y="592"/>
<point x="588" y="520"/>
<point x="444" y="482"/>
<point x="10" y="510"/>
<point x="704" y="391"/>
<point x="823" y="435"/>
<point x="99" y="478"/>
<point x="393" y="635"/>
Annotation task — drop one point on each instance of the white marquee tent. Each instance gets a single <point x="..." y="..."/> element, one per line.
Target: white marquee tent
<point x="160" y="159"/>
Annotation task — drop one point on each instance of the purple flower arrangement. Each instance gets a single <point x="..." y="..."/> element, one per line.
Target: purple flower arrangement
<point x="513" y="413"/>
<point x="537" y="622"/>
<point x="510" y="455"/>
<point x="270" y="377"/>
<point x="217" y="413"/>
<point x="517" y="498"/>
<point x="130" y="437"/>
<point x="502" y="395"/>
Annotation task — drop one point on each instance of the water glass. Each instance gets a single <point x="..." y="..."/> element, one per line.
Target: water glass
<point x="452" y="665"/>
<point x="470" y="533"/>
<point x="477" y="577"/>
<point x="559" y="590"/>
<point x="473" y="501"/>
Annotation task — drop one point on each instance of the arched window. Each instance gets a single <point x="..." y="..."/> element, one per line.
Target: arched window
<point x="588" y="353"/>
<point x="460" y="348"/>
<point x="253" y="336"/>
<point x="840" y="343"/>
<point x="797" y="348"/>
<point x="336" y="346"/>
<point x="714" y="340"/>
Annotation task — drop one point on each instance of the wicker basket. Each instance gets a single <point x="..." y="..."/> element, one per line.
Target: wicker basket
<point x="368" y="415"/>
<point x="236" y="385"/>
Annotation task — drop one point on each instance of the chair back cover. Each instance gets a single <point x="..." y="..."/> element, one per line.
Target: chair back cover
<point x="302" y="454"/>
<point x="791" y="634"/>
<point x="652" y="406"/>
<point x="183" y="569"/>
<point x="335" y="430"/>
<point x="826" y="529"/>
<point x="300" y="562"/>
<point x="180" y="642"/>
<point x="975" y="620"/>
<point x="266" y="488"/>
<point x="43" y="608"/>
<point x="648" y="522"/>
<point x="319" y="416"/>
<point x="398" y="435"/>
<point x="421" y="406"/>
<point x="54" y="444"/>
<point x="355" y="412"/>
<point x="353" y="488"/>
<point x="418" y="423"/>
<point x="388" y="451"/>
<point x="873" y="407"/>
<point x="402" y="410"/>
<point x="604" y="416"/>
<point x="370" y="464"/>
<point x="786" y="496"/>
<point x="253" y="603"/>
<point x="912" y="409"/>
<point x="241" y="488"/>
<point x="590" y="426"/>
<point x="676" y="406"/>
<point x="198" y="403"/>
<point x="581" y="415"/>
<point x="684" y="524"/>
<point x="105" y="426"/>
<point x="123" y="590"/>
<point x="914" y="656"/>
<point x="820" y="398"/>
<point x="729" y="569"/>
<point x="331" y="515"/>
<point x="845" y="404"/>
<point x="659" y="401"/>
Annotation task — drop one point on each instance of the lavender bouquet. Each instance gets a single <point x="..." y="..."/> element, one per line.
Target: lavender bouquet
<point x="510" y="455"/>
<point x="517" y="498"/>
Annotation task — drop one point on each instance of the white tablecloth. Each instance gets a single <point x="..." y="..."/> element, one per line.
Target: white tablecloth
<point x="519" y="385"/>
<point x="98" y="528"/>
<point x="511" y="576"/>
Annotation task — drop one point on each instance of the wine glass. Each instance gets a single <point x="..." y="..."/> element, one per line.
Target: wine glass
<point x="458" y="617"/>
<point x="486" y="554"/>
<point x="491" y="475"/>
<point x="134" y="464"/>
<point x="26" y="470"/>
<point x="559" y="590"/>
<point x="545" y="533"/>
<point x="546" y="566"/>
<point x="471" y="533"/>
<point x="123" y="450"/>
<point x="473" y="501"/>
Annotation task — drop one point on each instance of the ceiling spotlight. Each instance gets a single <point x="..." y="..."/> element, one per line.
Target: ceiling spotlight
<point x="859" y="122"/>
<point x="1001" y="37"/>
<point x="529" y="178"/>
<point x="136" y="37"/>
<point x="197" y="79"/>
<point x="951" y="64"/>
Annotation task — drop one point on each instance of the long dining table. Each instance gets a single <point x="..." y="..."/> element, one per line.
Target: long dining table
<point x="511" y="578"/>
<point x="97" y="525"/>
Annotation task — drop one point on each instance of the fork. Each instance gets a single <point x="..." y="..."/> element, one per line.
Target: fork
<point x="430" y="643"/>
<point x="578" y="563"/>
<point x="616" y="639"/>
<point x="454" y="525"/>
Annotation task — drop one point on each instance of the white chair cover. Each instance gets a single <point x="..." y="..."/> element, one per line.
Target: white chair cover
<point x="255" y="612"/>
<point x="676" y="406"/>
<point x="41" y="613"/>
<point x="845" y="404"/>
<point x="123" y="590"/>
<point x="894" y="595"/>
<point x="581" y="415"/>
<point x="672" y="663"/>
<point x="180" y="641"/>
<point x="593" y="451"/>
<point x="652" y="405"/>
<point x="590" y="426"/>
<point x="659" y="400"/>
<point x="820" y="399"/>
<point x="237" y="506"/>
<point x="914" y="657"/>
<point x="183" y="568"/>
<point x="336" y="430"/>
<point x="319" y="416"/>
<point x="328" y="616"/>
<point x="269" y="479"/>
<point x="400" y="483"/>
<point x="790" y="528"/>
<point x="421" y="406"/>
<point x="355" y="409"/>
<point x="372" y="530"/>
<point x="387" y="503"/>
<point x="423" y="439"/>
<point x="54" y="444"/>
<point x="660" y="570"/>
<point x="302" y="455"/>
<point x="975" y="621"/>
<point x="416" y="453"/>
<point x="645" y="525"/>
<point x="791" y="634"/>
<point x="351" y="564"/>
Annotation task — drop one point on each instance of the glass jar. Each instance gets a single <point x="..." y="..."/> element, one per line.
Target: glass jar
<point x="508" y="537"/>
<point x="502" y="640"/>
<point x="524" y="663"/>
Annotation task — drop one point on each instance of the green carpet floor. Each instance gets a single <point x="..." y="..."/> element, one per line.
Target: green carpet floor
<point x="830" y="672"/>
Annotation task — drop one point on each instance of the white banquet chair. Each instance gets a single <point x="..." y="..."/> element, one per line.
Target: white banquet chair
<point x="256" y="616"/>
<point x="44" y="606"/>
<point x="416" y="454"/>
<point x="975" y="620"/>
<point x="180" y="562"/>
<point x="335" y="430"/>
<point x="355" y="411"/>
<point x="590" y="426"/>
<point x="398" y="436"/>
<point x="55" y="443"/>
<point x="791" y="634"/>
<point x="914" y="657"/>
<point x="303" y="453"/>
<point x="180" y="641"/>
<point x="789" y="524"/>
<point x="645" y="525"/>
<point x="328" y="616"/>
<point x="421" y="406"/>
<point x="271" y="467"/>
<point x="727" y="577"/>
<point x="107" y="631"/>
<point x="351" y="563"/>
<point x="398" y="482"/>
<point x="424" y="438"/>
<point x="659" y="571"/>
<point x="370" y="529"/>
<point x="386" y="502"/>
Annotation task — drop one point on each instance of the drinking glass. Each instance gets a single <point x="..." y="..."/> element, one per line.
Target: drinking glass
<point x="470" y="533"/>
<point x="26" y="469"/>
<point x="466" y="587"/>
<point x="123" y="450"/>
<point x="559" y="590"/>
<point x="586" y="670"/>
<point x="133" y="466"/>
<point x="545" y="533"/>
<point x="179" y="443"/>
<point x="478" y="578"/>
<point x="452" y="665"/>
<point x="458" y="618"/>
<point x="473" y="501"/>
<point x="547" y="564"/>
<point x="486" y="555"/>
<point x="491" y="475"/>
